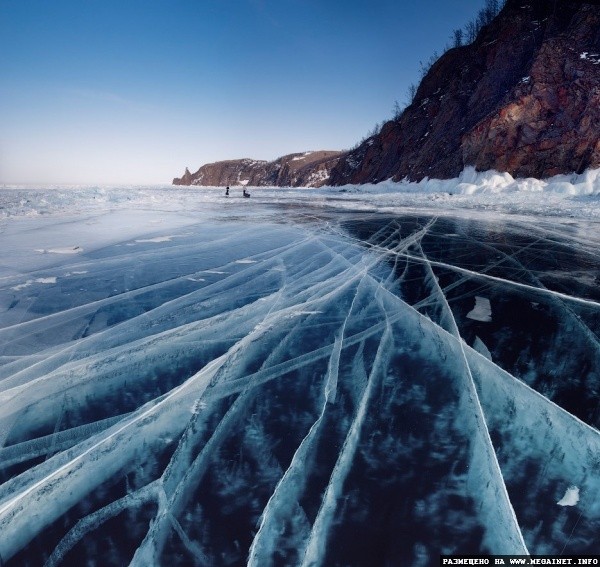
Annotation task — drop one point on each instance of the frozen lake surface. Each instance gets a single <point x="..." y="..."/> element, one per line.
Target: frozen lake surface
<point x="191" y="380"/>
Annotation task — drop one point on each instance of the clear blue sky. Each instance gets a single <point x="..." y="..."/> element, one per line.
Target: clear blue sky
<point x="133" y="91"/>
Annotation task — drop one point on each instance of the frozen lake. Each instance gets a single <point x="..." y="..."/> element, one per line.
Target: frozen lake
<point x="201" y="381"/>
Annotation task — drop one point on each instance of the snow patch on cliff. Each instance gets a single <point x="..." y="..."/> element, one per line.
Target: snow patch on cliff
<point x="318" y="177"/>
<point x="302" y="156"/>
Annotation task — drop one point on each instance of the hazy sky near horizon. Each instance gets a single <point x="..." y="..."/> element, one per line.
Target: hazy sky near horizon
<point x="133" y="91"/>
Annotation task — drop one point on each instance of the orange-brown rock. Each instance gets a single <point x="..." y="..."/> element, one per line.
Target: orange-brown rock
<point x="524" y="97"/>
<point x="308" y="169"/>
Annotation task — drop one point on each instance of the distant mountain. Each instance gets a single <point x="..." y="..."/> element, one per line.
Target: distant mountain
<point x="308" y="169"/>
<point x="524" y="98"/>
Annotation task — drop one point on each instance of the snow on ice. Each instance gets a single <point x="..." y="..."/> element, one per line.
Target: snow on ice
<point x="570" y="498"/>
<point x="300" y="378"/>
<point x="482" y="310"/>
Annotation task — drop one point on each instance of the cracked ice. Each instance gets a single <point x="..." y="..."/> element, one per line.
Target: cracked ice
<point x="296" y="387"/>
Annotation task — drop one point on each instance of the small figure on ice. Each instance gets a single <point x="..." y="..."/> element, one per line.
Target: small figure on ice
<point x="245" y="193"/>
<point x="227" y="191"/>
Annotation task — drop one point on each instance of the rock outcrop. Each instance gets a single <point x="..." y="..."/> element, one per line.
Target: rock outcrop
<point x="308" y="169"/>
<point x="524" y="98"/>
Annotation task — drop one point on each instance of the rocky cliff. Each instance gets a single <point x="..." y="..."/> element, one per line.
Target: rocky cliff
<point x="524" y="97"/>
<point x="308" y="169"/>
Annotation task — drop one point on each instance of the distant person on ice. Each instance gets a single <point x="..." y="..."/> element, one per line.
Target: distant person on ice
<point x="246" y="194"/>
<point x="227" y="191"/>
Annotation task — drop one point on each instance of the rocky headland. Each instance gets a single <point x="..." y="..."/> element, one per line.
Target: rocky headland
<point x="307" y="169"/>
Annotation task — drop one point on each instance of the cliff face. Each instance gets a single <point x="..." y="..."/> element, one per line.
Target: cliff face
<point x="524" y="97"/>
<point x="309" y="169"/>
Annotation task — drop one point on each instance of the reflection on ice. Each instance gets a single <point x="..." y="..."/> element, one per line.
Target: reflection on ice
<point x="286" y="388"/>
